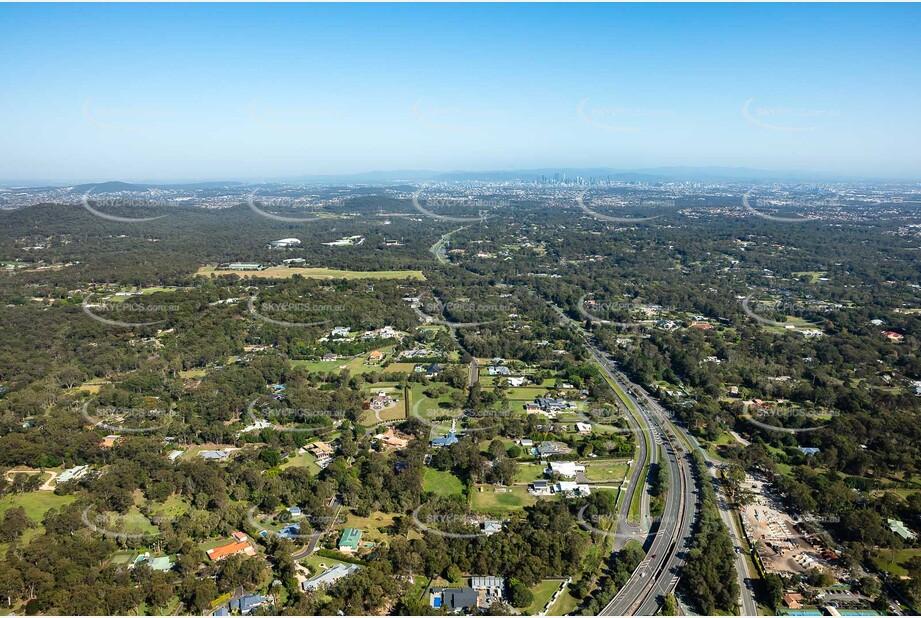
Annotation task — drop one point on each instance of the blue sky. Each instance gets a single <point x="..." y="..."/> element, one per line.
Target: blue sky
<point x="252" y="92"/>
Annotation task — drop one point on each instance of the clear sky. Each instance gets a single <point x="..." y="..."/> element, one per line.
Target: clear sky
<point x="250" y="92"/>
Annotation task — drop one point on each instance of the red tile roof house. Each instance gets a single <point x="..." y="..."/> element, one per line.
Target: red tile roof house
<point x="241" y="545"/>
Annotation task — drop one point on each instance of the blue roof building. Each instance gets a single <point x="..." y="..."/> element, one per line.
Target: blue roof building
<point x="447" y="440"/>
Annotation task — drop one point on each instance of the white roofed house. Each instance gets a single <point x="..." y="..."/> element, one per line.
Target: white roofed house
<point x="567" y="469"/>
<point x="572" y="489"/>
<point x="285" y="243"/>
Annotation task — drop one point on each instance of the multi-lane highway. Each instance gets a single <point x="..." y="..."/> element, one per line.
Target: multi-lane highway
<point x="659" y="572"/>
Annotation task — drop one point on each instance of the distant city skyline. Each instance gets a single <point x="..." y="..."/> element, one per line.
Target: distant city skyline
<point x="161" y="93"/>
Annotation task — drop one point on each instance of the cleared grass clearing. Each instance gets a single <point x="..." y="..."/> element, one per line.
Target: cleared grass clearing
<point x="543" y="591"/>
<point x="283" y="272"/>
<point x="499" y="503"/>
<point x="442" y="483"/>
<point x="613" y="470"/>
<point x="35" y="503"/>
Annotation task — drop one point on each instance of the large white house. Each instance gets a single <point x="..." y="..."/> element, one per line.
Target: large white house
<point x="566" y="469"/>
<point x="285" y="243"/>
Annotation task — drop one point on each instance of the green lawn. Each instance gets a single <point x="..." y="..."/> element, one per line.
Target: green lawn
<point x="893" y="560"/>
<point x="542" y="592"/>
<point x="565" y="604"/>
<point x="306" y="460"/>
<point x="529" y="472"/>
<point x="442" y="483"/>
<point x="490" y="501"/>
<point x="355" y="365"/>
<point x="35" y="503"/>
<point x="283" y="272"/>
<point x="610" y="470"/>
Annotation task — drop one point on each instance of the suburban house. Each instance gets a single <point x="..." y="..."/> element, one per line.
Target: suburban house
<point x="329" y="577"/>
<point x="447" y="440"/>
<point x="498" y="371"/>
<point x="432" y="370"/>
<point x="901" y="530"/>
<point x="526" y="442"/>
<point x="215" y="455"/>
<point x="517" y="381"/>
<point x="247" y="603"/>
<point x="110" y="441"/>
<point x="75" y="473"/>
<point x="584" y="428"/>
<point x="340" y="332"/>
<point x="350" y="540"/>
<point x="567" y="469"/>
<point x="489" y="589"/>
<point x="162" y="563"/>
<point x="379" y="402"/>
<point x="376" y="356"/>
<point x="285" y="243"/>
<point x="492" y="526"/>
<point x="572" y="489"/>
<point x="539" y="488"/>
<point x="549" y="447"/>
<point x="453" y="599"/>
<point x="321" y="449"/>
<point x="893" y="335"/>
<point x="394" y="438"/>
<point x="240" y="546"/>
<point x="552" y="404"/>
<point x="793" y="600"/>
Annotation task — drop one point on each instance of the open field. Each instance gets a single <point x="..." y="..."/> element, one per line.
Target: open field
<point x="283" y="272"/>
<point x="608" y="470"/>
<point x="543" y="592"/>
<point x="370" y="526"/>
<point x="893" y="561"/>
<point x="305" y="460"/>
<point x="355" y="365"/>
<point x="35" y="503"/>
<point x="529" y="472"/>
<point x="490" y="501"/>
<point x="442" y="483"/>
